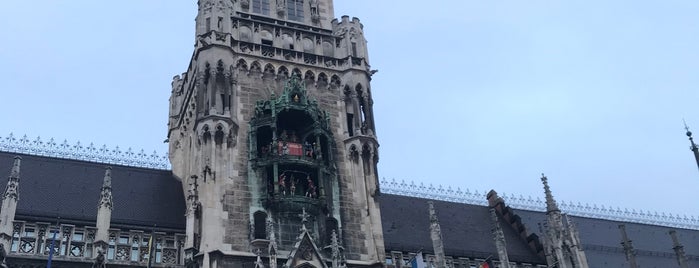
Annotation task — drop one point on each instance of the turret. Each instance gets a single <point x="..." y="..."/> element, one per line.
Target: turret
<point x="9" y="203"/>
<point x="628" y="247"/>
<point x="104" y="211"/>
<point x="679" y="250"/>
<point x="436" y="235"/>
<point x="562" y="245"/>
<point x="499" y="238"/>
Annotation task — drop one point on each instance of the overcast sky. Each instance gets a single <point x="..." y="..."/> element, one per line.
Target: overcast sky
<point x="472" y="94"/>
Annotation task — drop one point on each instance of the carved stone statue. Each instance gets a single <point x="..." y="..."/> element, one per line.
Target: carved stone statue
<point x="3" y="255"/>
<point x="281" y="7"/>
<point x="99" y="260"/>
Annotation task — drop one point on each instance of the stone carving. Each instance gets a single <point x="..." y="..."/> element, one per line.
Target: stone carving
<point x="281" y="7"/>
<point x="100" y="261"/>
<point x="3" y="255"/>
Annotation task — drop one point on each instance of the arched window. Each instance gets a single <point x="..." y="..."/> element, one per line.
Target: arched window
<point x="260" y="224"/>
<point x="260" y="7"/>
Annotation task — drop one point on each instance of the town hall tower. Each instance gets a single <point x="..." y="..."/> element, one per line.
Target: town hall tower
<point x="272" y="133"/>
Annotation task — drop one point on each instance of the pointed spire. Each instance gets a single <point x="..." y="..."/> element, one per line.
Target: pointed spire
<point x="335" y="250"/>
<point x="11" y="190"/>
<point x="551" y="205"/>
<point x="628" y="247"/>
<point x="436" y="234"/>
<point x="500" y="242"/>
<point x="258" y="262"/>
<point x="694" y="148"/>
<point x="272" y="248"/>
<point x="304" y="219"/>
<point x="679" y="250"/>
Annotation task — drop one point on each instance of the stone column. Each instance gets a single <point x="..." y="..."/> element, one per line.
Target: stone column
<point x="679" y="250"/>
<point x="104" y="212"/>
<point x="436" y="234"/>
<point x="499" y="238"/>
<point x="9" y="204"/>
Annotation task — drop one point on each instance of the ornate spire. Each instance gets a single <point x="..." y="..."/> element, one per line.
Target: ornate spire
<point x="272" y="248"/>
<point x="679" y="250"/>
<point x="335" y="250"/>
<point x="693" y="146"/>
<point x="106" y="195"/>
<point x="436" y="234"/>
<point x="551" y="205"/>
<point x="304" y="219"/>
<point x="499" y="238"/>
<point x="11" y="190"/>
<point x="628" y="247"/>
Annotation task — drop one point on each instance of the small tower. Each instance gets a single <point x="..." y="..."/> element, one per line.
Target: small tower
<point x="693" y="146"/>
<point x="500" y="242"/>
<point x="561" y="241"/>
<point x="104" y="211"/>
<point x="436" y="235"/>
<point x="628" y="247"/>
<point x="679" y="250"/>
<point x="9" y="204"/>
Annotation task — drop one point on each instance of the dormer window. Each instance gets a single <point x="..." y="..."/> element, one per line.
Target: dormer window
<point x="295" y="9"/>
<point x="260" y="7"/>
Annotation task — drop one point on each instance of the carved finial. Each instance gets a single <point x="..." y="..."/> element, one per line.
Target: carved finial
<point x="304" y="218"/>
<point x="11" y="190"/>
<point x="106" y="194"/>
<point x="433" y="213"/>
<point x="15" y="167"/>
<point x="107" y="178"/>
<point x="550" y="202"/>
<point x="335" y="249"/>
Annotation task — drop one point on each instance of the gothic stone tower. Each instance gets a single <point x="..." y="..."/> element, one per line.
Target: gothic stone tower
<point x="272" y="125"/>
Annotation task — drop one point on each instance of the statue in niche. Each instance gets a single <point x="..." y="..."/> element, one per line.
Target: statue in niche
<point x="307" y="149"/>
<point x="315" y="7"/>
<point x="293" y="185"/>
<point x="316" y="151"/>
<point x="282" y="183"/>
<point x="311" y="191"/>
<point x="99" y="260"/>
<point x="281" y="6"/>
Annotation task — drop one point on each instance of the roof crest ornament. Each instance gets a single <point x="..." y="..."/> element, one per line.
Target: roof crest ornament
<point x="467" y="196"/>
<point x="90" y="153"/>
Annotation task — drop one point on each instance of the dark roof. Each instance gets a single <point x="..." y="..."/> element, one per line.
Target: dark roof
<point x="51" y="187"/>
<point x="602" y="241"/>
<point x="466" y="229"/>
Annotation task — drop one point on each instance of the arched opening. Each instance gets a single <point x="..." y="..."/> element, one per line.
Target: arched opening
<point x="322" y="80"/>
<point x="260" y="225"/>
<point x="283" y="72"/>
<point x="264" y="141"/>
<point x="255" y="67"/>
<point x="218" y="137"/>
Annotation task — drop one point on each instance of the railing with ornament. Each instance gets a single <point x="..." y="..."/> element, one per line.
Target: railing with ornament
<point x="536" y="204"/>
<point x="78" y="151"/>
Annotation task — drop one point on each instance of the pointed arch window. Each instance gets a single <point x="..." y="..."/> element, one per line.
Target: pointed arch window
<point x="295" y="9"/>
<point x="260" y="7"/>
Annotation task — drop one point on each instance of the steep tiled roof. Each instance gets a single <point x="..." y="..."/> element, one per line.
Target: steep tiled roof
<point x="51" y="187"/>
<point x="466" y="229"/>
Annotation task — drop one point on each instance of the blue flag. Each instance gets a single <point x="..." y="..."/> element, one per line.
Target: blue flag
<point x="53" y="242"/>
<point x="417" y="262"/>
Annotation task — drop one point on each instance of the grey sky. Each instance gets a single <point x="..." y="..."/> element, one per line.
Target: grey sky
<point x="476" y="94"/>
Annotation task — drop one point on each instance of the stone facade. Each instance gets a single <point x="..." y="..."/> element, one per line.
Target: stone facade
<point x="263" y="72"/>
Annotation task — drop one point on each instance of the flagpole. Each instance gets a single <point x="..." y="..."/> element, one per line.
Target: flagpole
<point x="53" y="242"/>
<point x="150" y="247"/>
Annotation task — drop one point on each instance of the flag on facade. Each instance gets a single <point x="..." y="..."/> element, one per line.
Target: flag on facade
<point x="53" y="243"/>
<point x="488" y="263"/>
<point x="417" y="261"/>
